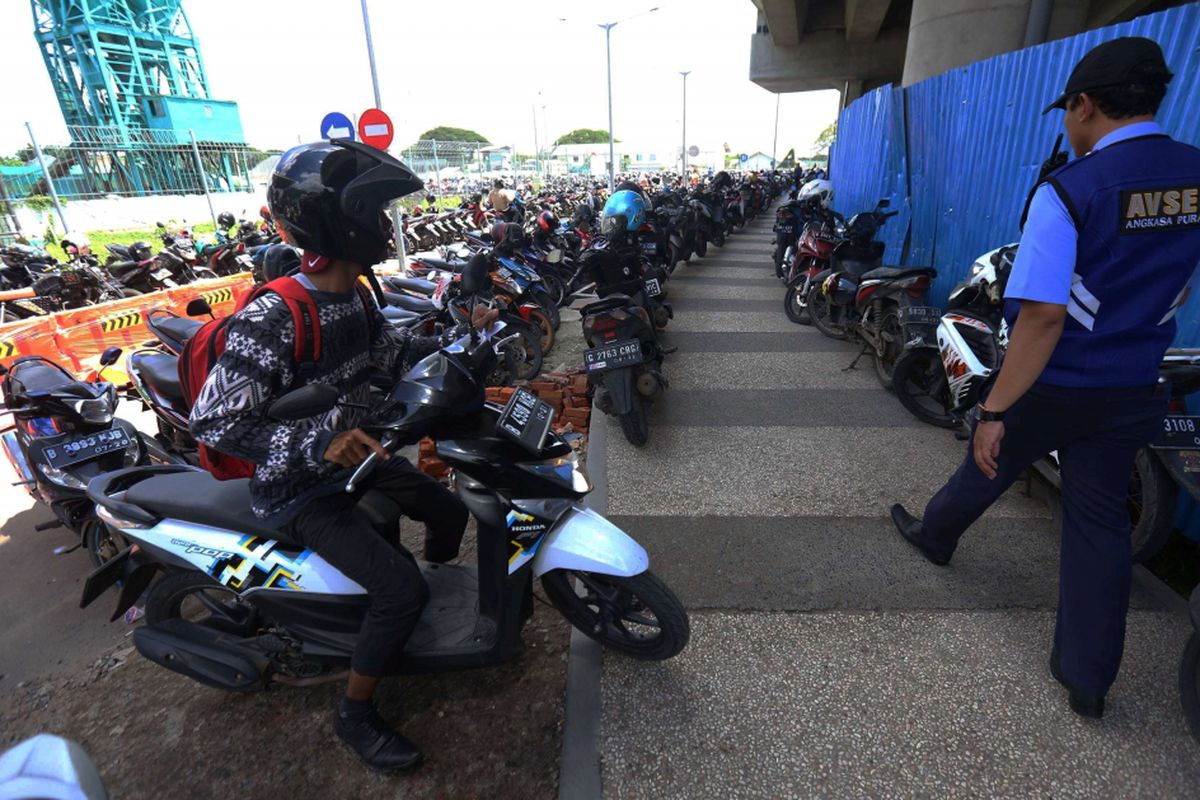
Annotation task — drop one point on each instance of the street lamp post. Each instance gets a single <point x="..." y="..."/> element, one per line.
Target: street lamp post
<point x="683" y="151"/>
<point x="775" y="143"/>
<point x="536" y="147"/>
<point x="608" y="26"/>
<point x="611" y="149"/>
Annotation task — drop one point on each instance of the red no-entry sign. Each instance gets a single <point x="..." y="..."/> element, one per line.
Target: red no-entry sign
<point x="375" y="128"/>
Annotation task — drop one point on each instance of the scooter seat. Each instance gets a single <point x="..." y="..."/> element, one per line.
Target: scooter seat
<point x="399" y="316"/>
<point x="441" y="264"/>
<point x="161" y="373"/>
<point x="196" y="496"/>
<point x="173" y="331"/>
<point x="607" y="304"/>
<point x="407" y="302"/>
<point x="417" y="285"/>
<point x="38" y="374"/>
<point x="891" y="273"/>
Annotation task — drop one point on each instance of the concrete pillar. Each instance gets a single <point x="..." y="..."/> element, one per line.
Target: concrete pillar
<point x="945" y="34"/>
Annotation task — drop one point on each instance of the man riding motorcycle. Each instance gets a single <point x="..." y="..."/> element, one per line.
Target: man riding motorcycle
<point x="330" y="199"/>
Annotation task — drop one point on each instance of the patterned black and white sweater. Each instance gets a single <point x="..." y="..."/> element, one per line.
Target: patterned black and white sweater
<point x="259" y="365"/>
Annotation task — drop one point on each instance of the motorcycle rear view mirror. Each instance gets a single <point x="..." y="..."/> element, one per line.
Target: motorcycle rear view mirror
<point x="883" y="203"/>
<point x="199" y="307"/>
<point x="305" y="402"/>
<point x="110" y="356"/>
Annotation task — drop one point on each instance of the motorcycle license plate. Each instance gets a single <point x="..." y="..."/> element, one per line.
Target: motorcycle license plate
<point x="783" y="228"/>
<point x="525" y="420"/>
<point x="920" y="315"/>
<point x="1179" y="433"/>
<point x="162" y="274"/>
<point x="653" y="289"/>
<point x="85" y="447"/>
<point x="649" y="247"/>
<point x="613" y="356"/>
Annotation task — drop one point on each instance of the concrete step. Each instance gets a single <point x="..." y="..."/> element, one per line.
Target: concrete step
<point x="757" y="291"/>
<point x="825" y="407"/>
<point x="779" y="372"/>
<point x="738" y="322"/>
<point x="766" y="563"/>
<point x="738" y="468"/>
<point x="702" y="342"/>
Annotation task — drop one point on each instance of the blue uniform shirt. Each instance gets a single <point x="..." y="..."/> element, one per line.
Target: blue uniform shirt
<point x="1114" y="236"/>
<point x="1046" y="259"/>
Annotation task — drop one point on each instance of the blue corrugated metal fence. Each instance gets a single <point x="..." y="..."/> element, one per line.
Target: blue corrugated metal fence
<point x="957" y="153"/>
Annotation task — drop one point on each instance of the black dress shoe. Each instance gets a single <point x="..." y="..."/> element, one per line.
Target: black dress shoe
<point x="910" y="528"/>
<point x="374" y="741"/>
<point x="1082" y="704"/>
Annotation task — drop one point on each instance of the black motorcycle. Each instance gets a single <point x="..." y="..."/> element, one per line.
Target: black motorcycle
<point x="624" y="360"/>
<point x="65" y="433"/>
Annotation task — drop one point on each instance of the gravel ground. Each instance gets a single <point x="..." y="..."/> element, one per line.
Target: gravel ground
<point x="491" y="733"/>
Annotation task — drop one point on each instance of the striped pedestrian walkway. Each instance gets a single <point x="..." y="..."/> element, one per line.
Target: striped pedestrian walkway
<point x="827" y="658"/>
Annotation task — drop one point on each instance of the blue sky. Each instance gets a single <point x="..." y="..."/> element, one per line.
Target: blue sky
<point x="469" y="63"/>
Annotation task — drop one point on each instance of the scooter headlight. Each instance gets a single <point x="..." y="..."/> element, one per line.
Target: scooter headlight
<point x="97" y="410"/>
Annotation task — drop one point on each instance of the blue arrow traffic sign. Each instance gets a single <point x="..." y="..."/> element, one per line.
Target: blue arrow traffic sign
<point x="337" y="125"/>
<point x="743" y="158"/>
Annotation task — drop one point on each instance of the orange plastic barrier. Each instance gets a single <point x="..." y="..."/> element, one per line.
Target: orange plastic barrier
<point x="75" y="338"/>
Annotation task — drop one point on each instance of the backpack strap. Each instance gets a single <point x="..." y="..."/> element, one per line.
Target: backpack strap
<point x="370" y="307"/>
<point x="307" y="348"/>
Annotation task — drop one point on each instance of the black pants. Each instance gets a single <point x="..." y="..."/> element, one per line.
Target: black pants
<point x="1097" y="433"/>
<point x="343" y="536"/>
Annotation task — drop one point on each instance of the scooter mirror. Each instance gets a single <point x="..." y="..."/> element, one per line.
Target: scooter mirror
<point x="305" y="402"/>
<point x="110" y="356"/>
<point x="884" y="203"/>
<point x="198" y="307"/>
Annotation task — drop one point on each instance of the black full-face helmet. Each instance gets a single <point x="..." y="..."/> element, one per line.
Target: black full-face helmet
<point x="225" y="220"/>
<point x="331" y="198"/>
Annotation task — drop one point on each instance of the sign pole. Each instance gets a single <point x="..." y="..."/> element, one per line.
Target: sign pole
<point x="775" y="144"/>
<point x="203" y="179"/>
<point x="608" y="54"/>
<point x="371" y="53"/>
<point x="46" y="173"/>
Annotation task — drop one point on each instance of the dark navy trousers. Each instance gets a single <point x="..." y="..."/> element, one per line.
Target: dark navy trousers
<point x="1097" y="433"/>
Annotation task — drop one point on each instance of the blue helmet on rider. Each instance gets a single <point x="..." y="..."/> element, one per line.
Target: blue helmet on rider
<point x="625" y="208"/>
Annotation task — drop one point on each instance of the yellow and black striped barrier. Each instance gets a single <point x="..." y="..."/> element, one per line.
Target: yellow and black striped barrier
<point x="120" y="322"/>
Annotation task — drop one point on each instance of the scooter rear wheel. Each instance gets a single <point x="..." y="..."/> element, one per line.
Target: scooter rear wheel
<point x="920" y="385"/>
<point x="1152" y="500"/>
<point x="634" y="424"/>
<point x="821" y="311"/>
<point x="197" y="598"/>
<point x="639" y="616"/>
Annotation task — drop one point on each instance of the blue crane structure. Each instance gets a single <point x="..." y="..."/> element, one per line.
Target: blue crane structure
<point x="132" y="88"/>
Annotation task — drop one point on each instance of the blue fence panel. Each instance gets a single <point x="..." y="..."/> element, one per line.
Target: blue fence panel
<point x="971" y="142"/>
<point x="958" y="152"/>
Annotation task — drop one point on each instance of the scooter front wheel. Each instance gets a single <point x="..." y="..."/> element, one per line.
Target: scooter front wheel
<point x="639" y="616"/>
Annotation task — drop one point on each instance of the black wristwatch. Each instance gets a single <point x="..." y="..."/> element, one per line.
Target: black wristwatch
<point x="983" y="415"/>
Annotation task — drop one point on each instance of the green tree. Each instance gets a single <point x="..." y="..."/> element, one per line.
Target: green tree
<point x="584" y="136"/>
<point x="825" y="138"/>
<point x="11" y="161"/>
<point x="445" y="133"/>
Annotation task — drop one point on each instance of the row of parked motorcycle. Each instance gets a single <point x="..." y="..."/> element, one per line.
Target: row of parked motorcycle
<point x="113" y="486"/>
<point x="34" y="283"/>
<point x="67" y="432"/>
<point x="940" y="362"/>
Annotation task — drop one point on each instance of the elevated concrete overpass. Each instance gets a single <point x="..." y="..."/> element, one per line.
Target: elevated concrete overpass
<point x="855" y="45"/>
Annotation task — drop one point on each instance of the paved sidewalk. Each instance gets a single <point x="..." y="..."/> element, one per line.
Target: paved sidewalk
<point x="827" y="658"/>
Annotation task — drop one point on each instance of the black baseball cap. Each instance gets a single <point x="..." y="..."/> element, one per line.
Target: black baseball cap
<point x="1130" y="60"/>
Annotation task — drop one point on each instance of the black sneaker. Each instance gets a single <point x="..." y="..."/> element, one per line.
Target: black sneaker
<point x="374" y="741"/>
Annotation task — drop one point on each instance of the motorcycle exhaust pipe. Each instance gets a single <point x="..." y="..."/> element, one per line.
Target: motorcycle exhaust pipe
<point x="203" y="655"/>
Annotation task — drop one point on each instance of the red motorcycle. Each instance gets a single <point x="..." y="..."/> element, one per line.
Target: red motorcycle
<point x="809" y="259"/>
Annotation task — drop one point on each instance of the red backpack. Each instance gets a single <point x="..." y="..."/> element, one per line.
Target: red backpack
<point x="206" y="345"/>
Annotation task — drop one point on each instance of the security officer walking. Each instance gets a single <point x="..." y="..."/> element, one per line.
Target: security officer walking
<point x="1109" y="247"/>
